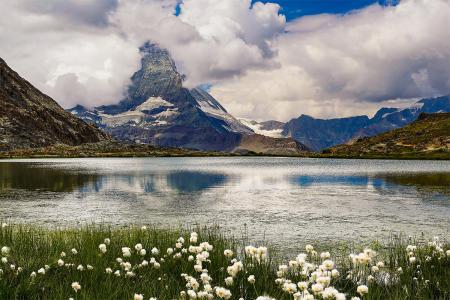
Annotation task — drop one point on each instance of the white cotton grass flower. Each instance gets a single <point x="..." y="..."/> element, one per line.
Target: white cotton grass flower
<point x="143" y="228"/>
<point x="107" y="241"/>
<point x="251" y="279"/>
<point x="155" y="251"/>
<point x="447" y="253"/>
<point x="5" y="250"/>
<point x="229" y="281"/>
<point x="80" y="268"/>
<point x="33" y="274"/>
<point x="228" y="253"/>
<point x="355" y="298"/>
<point x="317" y="288"/>
<point x="142" y="252"/>
<point x="362" y="289"/>
<point x="138" y="297"/>
<point x="412" y="260"/>
<point x="325" y="255"/>
<point x="264" y="298"/>
<point x="194" y="238"/>
<point x="41" y="271"/>
<point x="102" y="248"/>
<point x="63" y="254"/>
<point x="223" y="293"/>
<point x="76" y="286"/>
<point x="303" y="285"/>
<point x="60" y="262"/>
<point x="117" y="273"/>
<point x="138" y="247"/>
<point x="108" y="270"/>
<point x="74" y="251"/>
<point x="4" y="260"/>
<point x="89" y="267"/>
<point x="126" y="252"/>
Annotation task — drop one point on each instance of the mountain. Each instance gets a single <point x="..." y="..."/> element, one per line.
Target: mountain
<point x="29" y="118"/>
<point x="158" y="110"/>
<point x="319" y="134"/>
<point x="267" y="128"/>
<point x="428" y="136"/>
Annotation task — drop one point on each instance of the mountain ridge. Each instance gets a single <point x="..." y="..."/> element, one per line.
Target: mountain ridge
<point x="29" y="118"/>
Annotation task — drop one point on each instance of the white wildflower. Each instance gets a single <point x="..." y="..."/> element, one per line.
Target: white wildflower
<point x="76" y="286"/>
<point x="362" y="289"/>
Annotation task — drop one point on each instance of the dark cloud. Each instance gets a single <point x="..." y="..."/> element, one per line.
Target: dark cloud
<point x="87" y="12"/>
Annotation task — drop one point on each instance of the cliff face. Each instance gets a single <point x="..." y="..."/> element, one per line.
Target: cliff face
<point x="29" y="118"/>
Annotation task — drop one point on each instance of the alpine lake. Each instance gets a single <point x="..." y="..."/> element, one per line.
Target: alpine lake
<point x="282" y="201"/>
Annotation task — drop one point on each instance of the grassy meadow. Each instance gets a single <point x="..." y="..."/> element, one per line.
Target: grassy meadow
<point x="100" y="262"/>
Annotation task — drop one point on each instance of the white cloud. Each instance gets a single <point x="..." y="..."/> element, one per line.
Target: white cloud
<point x="72" y="61"/>
<point x="344" y="65"/>
<point x="84" y="51"/>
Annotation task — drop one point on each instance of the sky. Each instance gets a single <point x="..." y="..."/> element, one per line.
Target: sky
<point x="275" y="59"/>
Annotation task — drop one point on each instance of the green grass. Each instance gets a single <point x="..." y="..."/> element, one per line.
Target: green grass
<point x="32" y="248"/>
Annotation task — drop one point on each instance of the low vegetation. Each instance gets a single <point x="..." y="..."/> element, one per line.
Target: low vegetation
<point x="426" y="138"/>
<point x="98" y="262"/>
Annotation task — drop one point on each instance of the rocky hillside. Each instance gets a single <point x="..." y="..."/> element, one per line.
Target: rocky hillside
<point x="261" y="144"/>
<point x="29" y="118"/>
<point x="427" y="137"/>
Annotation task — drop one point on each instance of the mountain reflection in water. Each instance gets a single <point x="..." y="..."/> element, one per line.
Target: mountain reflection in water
<point x="283" y="200"/>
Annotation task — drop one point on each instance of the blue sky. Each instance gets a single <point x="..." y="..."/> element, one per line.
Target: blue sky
<point x="296" y="8"/>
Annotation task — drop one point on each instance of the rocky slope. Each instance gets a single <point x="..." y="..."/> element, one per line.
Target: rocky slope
<point x="318" y="134"/>
<point x="29" y="118"/>
<point x="257" y="143"/>
<point x="429" y="136"/>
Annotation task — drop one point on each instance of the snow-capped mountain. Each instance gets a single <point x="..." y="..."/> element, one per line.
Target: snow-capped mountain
<point x="159" y="110"/>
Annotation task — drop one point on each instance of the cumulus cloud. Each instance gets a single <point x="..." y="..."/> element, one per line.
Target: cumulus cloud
<point x="210" y="39"/>
<point x="85" y="51"/>
<point x="259" y="65"/>
<point x="334" y="65"/>
<point x="75" y="62"/>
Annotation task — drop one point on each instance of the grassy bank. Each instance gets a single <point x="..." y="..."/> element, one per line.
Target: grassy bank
<point x="97" y="262"/>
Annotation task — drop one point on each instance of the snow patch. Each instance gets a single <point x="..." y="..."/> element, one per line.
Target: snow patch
<point x="256" y="127"/>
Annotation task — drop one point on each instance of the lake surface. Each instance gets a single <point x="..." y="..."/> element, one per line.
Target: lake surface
<point x="287" y="201"/>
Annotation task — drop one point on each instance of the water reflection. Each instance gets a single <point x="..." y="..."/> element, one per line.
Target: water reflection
<point x="36" y="177"/>
<point x="41" y="177"/>
<point x="307" y="181"/>
<point x="281" y="200"/>
<point x="190" y="181"/>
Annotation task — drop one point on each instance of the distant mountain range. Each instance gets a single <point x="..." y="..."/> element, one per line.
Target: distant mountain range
<point x="158" y="110"/>
<point x="319" y="134"/>
<point x="428" y="137"/>
<point x="29" y="118"/>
